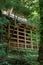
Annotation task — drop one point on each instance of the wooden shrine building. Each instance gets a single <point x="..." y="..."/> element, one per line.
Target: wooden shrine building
<point x="21" y="34"/>
<point x="21" y="37"/>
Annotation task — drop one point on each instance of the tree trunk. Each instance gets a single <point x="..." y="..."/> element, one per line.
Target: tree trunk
<point x="41" y="33"/>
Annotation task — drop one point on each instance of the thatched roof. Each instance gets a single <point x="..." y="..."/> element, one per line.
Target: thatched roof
<point x="13" y="16"/>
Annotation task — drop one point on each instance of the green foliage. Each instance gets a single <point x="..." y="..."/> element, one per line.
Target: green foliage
<point x="23" y="56"/>
<point x="24" y="7"/>
<point x="2" y="53"/>
<point x="5" y="63"/>
<point x="3" y="21"/>
<point x="34" y="19"/>
<point x="3" y="44"/>
<point x="6" y="4"/>
<point x="28" y="8"/>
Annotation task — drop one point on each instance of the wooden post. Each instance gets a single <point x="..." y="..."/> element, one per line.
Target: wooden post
<point x="18" y="37"/>
<point x="9" y="35"/>
<point x="25" y="36"/>
<point x="31" y="41"/>
<point x="36" y="41"/>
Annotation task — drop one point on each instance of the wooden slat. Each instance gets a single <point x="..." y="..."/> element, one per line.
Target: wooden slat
<point x="31" y="40"/>
<point x="9" y="34"/>
<point x="21" y="35"/>
<point x="21" y="28"/>
<point x="28" y="44"/>
<point x="12" y="30"/>
<point x="13" y="42"/>
<point x="28" y="40"/>
<point x="21" y="39"/>
<point x="13" y="33"/>
<point x="21" y="31"/>
<point x="13" y="38"/>
<point x="18" y="37"/>
<point x="22" y="43"/>
<point x="25" y="35"/>
<point x="36" y="40"/>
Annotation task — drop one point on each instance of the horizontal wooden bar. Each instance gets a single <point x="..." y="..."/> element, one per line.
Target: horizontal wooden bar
<point x="28" y="40"/>
<point x="21" y="31"/>
<point x="21" y="39"/>
<point x="21" y="35"/>
<point x="13" y="38"/>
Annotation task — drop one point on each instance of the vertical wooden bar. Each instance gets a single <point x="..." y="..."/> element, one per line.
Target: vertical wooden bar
<point x="36" y="40"/>
<point x="18" y="37"/>
<point x="9" y="35"/>
<point x="25" y="36"/>
<point x="31" y="40"/>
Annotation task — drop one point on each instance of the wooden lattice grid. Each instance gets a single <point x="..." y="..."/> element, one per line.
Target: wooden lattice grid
<point x="21" y="37"/>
